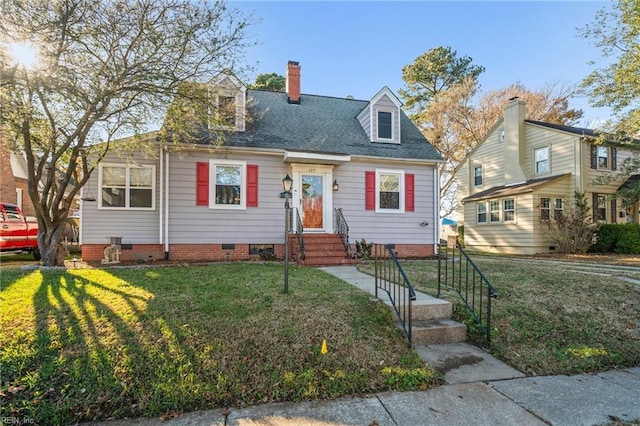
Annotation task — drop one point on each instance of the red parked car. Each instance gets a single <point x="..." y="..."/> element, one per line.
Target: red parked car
<point x="16" y="232"/>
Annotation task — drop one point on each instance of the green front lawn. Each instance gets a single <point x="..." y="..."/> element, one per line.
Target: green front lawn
<point x="97" y="343"/>
<point x="550" y="319"/>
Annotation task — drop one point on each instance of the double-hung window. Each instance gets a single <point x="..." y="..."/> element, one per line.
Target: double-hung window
<point x="477" y="176"/>
<point x="603" y="157"/>
<point x="385" y="125"/>
<point x="541" y="156"/>
<point x="545" y="208"/>
<point x="558" y="208"/>
<point x="127" y="187"/>
<point x="390" y="190"/>
<point x="482" y="212"/>
<point x="509" y="209"/>
<point x="494" y="211"/>
<point x="229" y="189"/>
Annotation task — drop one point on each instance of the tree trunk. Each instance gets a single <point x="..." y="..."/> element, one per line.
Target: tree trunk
<point x="51" y="248"/>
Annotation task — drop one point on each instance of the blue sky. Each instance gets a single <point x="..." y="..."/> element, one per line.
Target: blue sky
<point x="356" y="48"/>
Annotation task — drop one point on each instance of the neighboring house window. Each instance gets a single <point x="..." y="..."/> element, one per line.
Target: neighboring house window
<point x="234" y="184"/>
<point x="477" y="175"/>
<point x="385" y="123"/>
<point x="603" y="157"/>
<point x="558" y="208"/>
<point x="599" y="208"/>
<point x="541" y="156"/>
<point x="130" y="187"/>
<point x="482" y="213"/>
<point x="545" y="208"/>
<point x="494" y="210"/>
<point x="389" y="191"/>
<point x="509" y="209"/>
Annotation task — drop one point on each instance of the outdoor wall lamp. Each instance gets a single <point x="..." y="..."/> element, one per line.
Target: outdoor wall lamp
<point x="335" y="185"/>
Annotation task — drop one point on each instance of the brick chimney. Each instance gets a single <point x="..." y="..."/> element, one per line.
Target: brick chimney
<point x="293" y="82"/>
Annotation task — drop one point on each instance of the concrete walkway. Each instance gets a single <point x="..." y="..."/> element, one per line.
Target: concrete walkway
<point x="480" y="390"/>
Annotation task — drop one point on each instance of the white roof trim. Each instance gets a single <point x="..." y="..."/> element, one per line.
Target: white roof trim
<point x="315" y="158"/>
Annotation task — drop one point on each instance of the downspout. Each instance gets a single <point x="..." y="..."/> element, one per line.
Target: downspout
<point x="436" y="209"/>
<point x="166" y="206"/>
<point x="161" y="206"/>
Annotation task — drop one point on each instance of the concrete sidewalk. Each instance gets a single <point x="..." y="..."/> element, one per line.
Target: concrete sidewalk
<point x="480" y="390"/>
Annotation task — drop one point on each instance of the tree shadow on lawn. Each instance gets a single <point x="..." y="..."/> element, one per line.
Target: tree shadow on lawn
<point x="98" y="351"/>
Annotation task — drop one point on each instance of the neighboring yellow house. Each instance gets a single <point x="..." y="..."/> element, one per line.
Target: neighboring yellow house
<point x="524" y="172"/>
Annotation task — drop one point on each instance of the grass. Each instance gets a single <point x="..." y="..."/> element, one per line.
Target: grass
<point x="88" y="344"/>
<point x="551" y="319"/>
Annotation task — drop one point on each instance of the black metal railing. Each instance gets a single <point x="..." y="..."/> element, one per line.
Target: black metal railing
<point x="341" y="228"/>
<point x="457" y="272"/>
<point x="390" y="278"/>
<point x="299" y="230"/>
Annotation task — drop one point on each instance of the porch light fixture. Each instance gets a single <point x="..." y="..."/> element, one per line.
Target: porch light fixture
<point x="335" y="185"/>
<point x="287" y="182"/>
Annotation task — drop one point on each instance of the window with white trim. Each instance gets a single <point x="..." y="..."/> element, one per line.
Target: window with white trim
<point x="229" y="184"/>
<point x="477" y="176"/>
<point x="541" y="158"/>
<point x="603" y="157"/>
<point x="385" y="125"/>
<point x="509" y="209"/>
<point x="558" y="208"/>
<point x="494" y="211"/>
<point x="127" y="187"/>
<point x="390" y="191"/>
<point x="545" y="209"/>
<point x="482" y="212"/>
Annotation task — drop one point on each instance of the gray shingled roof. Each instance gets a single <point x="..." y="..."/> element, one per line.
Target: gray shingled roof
<point x="322" y="124"/>
<point x="501" y="191"/>
<point x="569" y="129"/>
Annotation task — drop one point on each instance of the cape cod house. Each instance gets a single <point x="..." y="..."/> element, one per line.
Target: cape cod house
<point x="360" y="164"/>
<point x="524" y="172"/>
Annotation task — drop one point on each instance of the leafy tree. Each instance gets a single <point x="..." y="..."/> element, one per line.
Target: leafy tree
<point x="104" y="70"/>
<point x="274" y="82"/>
<point x="617" y="32"/>
<point x="433" y="72"/>
<point x="573" y="231"/>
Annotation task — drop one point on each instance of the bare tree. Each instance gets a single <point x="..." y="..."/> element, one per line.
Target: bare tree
<point x="104" y="69"/>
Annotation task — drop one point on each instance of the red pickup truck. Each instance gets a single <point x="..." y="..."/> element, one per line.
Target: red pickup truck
<point x="16" y="232"/>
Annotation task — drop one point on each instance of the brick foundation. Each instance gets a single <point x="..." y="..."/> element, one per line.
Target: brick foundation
<point x="217" y="252"/>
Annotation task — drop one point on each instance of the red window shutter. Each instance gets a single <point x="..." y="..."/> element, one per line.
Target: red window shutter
<point x="409" y="192"/>
<point x="252" y="185"/>
<point x="202" y="184"/>
<point x="370" y="190"/>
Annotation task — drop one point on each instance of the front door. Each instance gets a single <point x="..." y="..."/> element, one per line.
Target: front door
<point x="312" y="195"/>
<point x="312" y="205"/>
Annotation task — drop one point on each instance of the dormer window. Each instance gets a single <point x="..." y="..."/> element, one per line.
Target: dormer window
<point x="227" y="97"/>
<point x="226" y="110"/>
<point x="381" y="118"/>
<point x="385" y="125"/>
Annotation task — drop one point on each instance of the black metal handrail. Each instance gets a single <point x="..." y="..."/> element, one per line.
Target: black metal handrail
<point x="461" y="275"/>
<point x="390" y="278"/>
<point x="299" y="233"/>
<point x="342" y="228"/>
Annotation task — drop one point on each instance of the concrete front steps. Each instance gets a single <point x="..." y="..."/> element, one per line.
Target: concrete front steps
<point x="432" y="323"/>
<point x="322" y="250"/>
